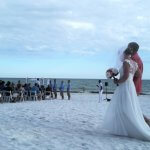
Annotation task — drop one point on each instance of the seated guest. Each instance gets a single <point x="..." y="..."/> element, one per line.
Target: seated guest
<point x="27" y="88"/>
<point x="19" y="93"/>
<point x="48" y="89"/>
<point x="13" y="86"/>
<point x="42" y="90"/>
<point x="18" y="85"/>
<point x="35" y="90"/>
<point x="21" y="90"/>
<point x="8" y="88"/>
<point x="2" y="85"/>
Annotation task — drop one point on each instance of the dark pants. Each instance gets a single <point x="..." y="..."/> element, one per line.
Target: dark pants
<point x="68" y="94"/>
<point x="62" y="94"/>
<point x="55" y="94"/>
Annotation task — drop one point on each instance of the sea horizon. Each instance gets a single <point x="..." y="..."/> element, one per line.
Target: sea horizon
<point x="79" y="85"/>
<point x="56" y="78"/>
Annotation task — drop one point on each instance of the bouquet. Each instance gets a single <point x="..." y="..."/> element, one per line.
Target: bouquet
<point x="111" y="73"/>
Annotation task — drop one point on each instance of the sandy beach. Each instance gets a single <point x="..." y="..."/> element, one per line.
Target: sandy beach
<point x="63" y="125"/>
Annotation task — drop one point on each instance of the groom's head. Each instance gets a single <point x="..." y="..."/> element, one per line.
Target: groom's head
<point x="133" y="46"/>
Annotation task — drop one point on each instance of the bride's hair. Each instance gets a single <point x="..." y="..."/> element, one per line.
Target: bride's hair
<point x="128" y="51"/>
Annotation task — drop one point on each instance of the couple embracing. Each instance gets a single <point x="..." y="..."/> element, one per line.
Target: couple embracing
<point x="124" y="116"/>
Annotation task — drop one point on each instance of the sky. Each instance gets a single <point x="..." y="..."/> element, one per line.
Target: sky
<point x="70" y="38"/>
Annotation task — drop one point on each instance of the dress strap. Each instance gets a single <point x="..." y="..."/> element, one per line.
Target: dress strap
<point x="128" y="61"/>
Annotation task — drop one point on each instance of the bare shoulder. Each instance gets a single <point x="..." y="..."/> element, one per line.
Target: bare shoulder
<point x="127" y="62"/>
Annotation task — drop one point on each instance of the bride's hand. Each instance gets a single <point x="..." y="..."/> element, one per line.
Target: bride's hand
<point x="116" y="81"/>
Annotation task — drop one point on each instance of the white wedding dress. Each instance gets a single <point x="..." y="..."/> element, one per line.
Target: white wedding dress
<point x="124" y="116"/>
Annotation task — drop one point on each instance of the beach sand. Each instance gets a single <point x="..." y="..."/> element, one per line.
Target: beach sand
<point x="63" y="125"/>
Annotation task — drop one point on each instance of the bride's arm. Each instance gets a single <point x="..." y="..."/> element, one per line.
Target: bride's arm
<point x="126" y="69"/>
<point x="137" y="73"/>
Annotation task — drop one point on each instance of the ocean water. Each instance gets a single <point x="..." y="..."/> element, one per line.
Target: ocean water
<point x="81" y="85"/>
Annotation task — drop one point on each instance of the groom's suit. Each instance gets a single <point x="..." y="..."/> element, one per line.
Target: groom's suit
<point x="138" y="80"/>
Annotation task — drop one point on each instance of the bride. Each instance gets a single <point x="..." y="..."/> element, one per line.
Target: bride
<point x="124" y="116"/>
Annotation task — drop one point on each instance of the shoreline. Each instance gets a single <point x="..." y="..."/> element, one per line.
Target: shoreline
<point x="82" y="85"/>
<point x="96" y="92"/>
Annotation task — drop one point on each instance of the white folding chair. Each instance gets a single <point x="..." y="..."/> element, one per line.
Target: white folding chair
<point x="1" y="97"/>
<point x="33" y="95"/>
<point x="15" y="96"/>
<point x="7" y="96"/>
<point x="21" y="96"/>
<point x="25" y="94"/>
<point x="48" y="95"/>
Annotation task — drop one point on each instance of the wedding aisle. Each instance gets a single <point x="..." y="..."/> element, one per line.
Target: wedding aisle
<point x="62" y="125"/>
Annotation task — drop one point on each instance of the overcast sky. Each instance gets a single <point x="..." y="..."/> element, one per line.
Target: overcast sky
<point x="70" y="38"/>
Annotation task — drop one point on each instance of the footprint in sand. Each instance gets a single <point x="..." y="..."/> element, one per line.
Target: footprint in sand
<point x="46" y="120"/>
<point x="83" y="121"/>
<point x="13" y="139"/>
<point x="42" y="118"/>
<point x="84" y="144"/>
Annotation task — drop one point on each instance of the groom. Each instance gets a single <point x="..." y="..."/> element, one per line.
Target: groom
<point x="133" y="46"/>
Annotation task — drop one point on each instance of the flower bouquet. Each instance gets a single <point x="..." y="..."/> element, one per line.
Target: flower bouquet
<point x="111" y="73"/>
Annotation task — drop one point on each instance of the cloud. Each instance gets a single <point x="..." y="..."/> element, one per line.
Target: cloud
<point x="79" y="25"/>
<point x="40" y="48"/>
<point x="145" y="48"/>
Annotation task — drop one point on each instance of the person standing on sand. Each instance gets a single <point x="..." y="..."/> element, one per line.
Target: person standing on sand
<point x="51" y="88"/>
<point x="133" y="46"/>
<point x="124" y="116"/>
<point x="55" y="89"/>
<point x="100" y="90"/>
<point x="38" y="81"/>
<point x="68" y="90"/>
<point x="137" y="79"/>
